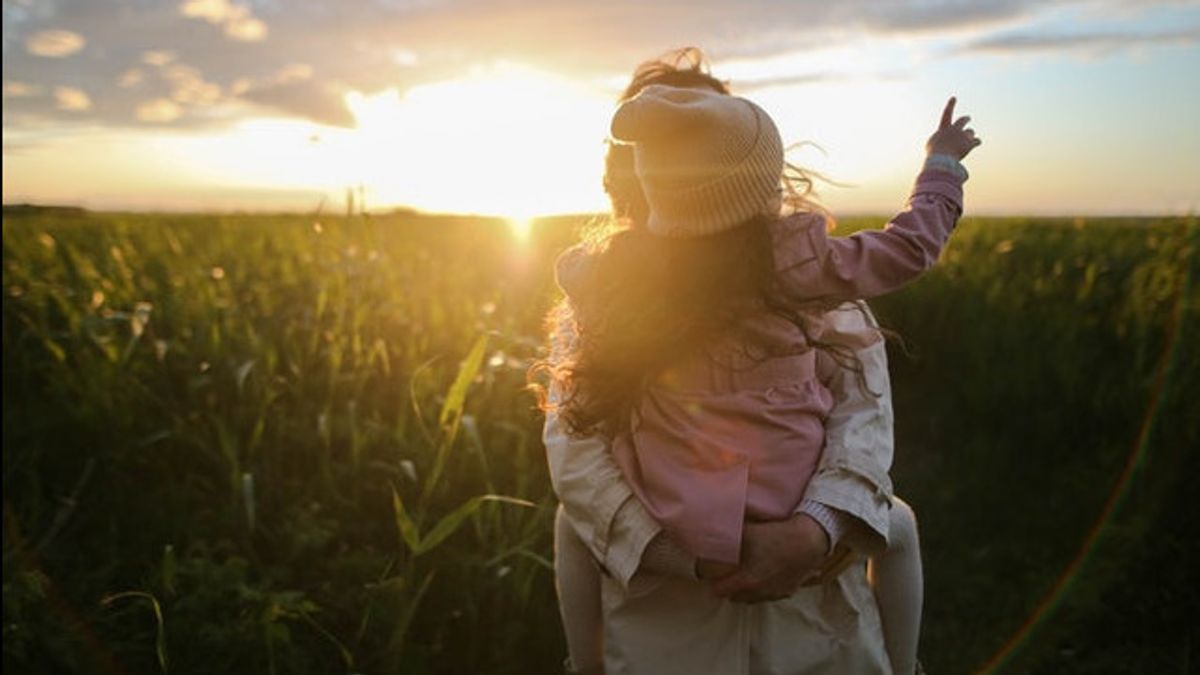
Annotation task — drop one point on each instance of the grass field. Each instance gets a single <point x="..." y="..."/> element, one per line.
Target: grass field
<point x="252" y="444"/>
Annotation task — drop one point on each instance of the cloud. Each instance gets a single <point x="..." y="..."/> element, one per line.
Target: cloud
<point x="316" y="101"/>
<point x="188" y="85"/>
<point x="745" y="85"/>
<point x="212" y="11"/>
<point x="17" y="89"/>
<point x="246" y="29"/>
<point x="158" y="57"/>
<point x="54" y="43"/>
<point x="131" y="78"/>
<point x="937" y="15"/>
<point x="210" y="57"/>
<point x="1094" y="42"/>
<point x="238" y="22"/>
<point x="294" y="72"/>
<point x="71" y="99"/>
<point x="158" y="111"/>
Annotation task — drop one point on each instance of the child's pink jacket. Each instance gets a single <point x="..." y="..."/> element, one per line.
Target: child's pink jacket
<point x="715" y="442"/>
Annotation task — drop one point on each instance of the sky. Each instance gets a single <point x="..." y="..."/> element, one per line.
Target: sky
<point x="502" y="107"/>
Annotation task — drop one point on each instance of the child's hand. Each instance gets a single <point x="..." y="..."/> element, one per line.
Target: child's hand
<point x="952" y="139"/>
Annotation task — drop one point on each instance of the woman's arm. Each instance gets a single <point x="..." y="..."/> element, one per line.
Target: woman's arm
<point x="596" y="499"/>
<point x="852" y="476"/>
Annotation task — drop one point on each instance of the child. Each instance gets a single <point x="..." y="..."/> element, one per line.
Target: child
<point x="697" y="337"/>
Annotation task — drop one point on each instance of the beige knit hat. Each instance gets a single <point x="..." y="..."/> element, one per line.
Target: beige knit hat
<point x="707" y="162"/>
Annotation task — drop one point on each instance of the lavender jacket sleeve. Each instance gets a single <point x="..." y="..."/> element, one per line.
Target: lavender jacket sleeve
<point x="866" y="264"/>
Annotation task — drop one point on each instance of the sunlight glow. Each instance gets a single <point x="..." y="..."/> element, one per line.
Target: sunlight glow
<point x="864" y="128"/>
<point x="504" y="140"/>
<point x="521" y="227"/>
<point x="512" y="140"/>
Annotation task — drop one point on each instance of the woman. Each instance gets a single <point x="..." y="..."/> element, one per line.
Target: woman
<point x="658" y="619"/>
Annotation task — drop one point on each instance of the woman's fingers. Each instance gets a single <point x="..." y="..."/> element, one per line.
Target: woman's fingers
<point x="947" y="113"/>
<point x="962" y="121"/>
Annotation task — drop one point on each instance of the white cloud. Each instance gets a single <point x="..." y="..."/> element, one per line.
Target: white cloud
<point x="246" y="29"/>
<point x="293" y="72"/>
<point x="237" y="21"/>
<point x="189" y="86"/>
<point x="159" y="111"/>
<point x="1097" y="41"/>
<point x="72" y="99"/>
<point x="131" y="78"/>
<point x="373" y="45"/>
<point x="212" y="11"/>
<point x="158" y="57"/>
<point x="54" y="43"/>
<point x="16" y="89"/>
<point x="241" y="86"/>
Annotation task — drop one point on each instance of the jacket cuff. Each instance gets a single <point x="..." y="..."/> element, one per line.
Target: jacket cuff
<point x="663" y="556"/>
<point x="631" y="532"/>
<point x="832" y="520"/>
<point x="946" y="163"/>
<point x="864" y="505"/>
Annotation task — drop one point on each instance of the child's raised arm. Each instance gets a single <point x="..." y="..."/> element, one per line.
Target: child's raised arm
<point x="813" y="265"/>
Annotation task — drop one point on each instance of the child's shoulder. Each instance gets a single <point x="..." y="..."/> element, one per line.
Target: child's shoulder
<point x="797" y="239"/>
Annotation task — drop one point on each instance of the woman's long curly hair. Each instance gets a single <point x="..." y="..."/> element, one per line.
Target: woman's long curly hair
<point x="647" y="301"/>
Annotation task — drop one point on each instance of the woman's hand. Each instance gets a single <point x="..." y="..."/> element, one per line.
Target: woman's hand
<point x="952" y="139"/>
<point x="777" y="557"/>
<point x="711" y="569"/>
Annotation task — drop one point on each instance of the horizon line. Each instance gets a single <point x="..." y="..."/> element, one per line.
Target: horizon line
<point x="409" y="210"/>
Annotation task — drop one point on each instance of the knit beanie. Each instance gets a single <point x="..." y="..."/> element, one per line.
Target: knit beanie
<point x="707" y="162"/>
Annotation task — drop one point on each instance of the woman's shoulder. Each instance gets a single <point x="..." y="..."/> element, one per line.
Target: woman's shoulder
<point x="796" y="239"/>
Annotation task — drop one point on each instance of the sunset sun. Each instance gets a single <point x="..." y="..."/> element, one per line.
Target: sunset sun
<point x="503" y="140"/>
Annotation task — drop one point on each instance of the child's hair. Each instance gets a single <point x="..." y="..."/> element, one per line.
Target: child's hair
<point x="646" y="300"/>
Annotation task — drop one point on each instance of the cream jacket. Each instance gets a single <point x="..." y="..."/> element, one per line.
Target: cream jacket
<point x="659" y="625"/>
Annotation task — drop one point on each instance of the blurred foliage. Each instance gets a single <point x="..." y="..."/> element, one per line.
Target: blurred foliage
<point x="286" y="445"/>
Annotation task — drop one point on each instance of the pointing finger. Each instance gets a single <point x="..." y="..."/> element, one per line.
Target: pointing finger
<point x="947" y="113"/>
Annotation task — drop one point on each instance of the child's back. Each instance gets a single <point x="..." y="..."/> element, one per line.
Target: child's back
<point x="734" y="430"/>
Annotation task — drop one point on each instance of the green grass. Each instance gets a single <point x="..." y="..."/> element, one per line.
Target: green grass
<point x="266" y="444"/>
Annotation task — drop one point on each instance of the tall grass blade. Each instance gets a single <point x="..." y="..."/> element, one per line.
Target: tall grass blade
<point x="452" y="410"/>
<point x="450" y="523"/>
<point x="160" y="642"/>
<point x="400" y="631"/>
<point x="404" y="524"/>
